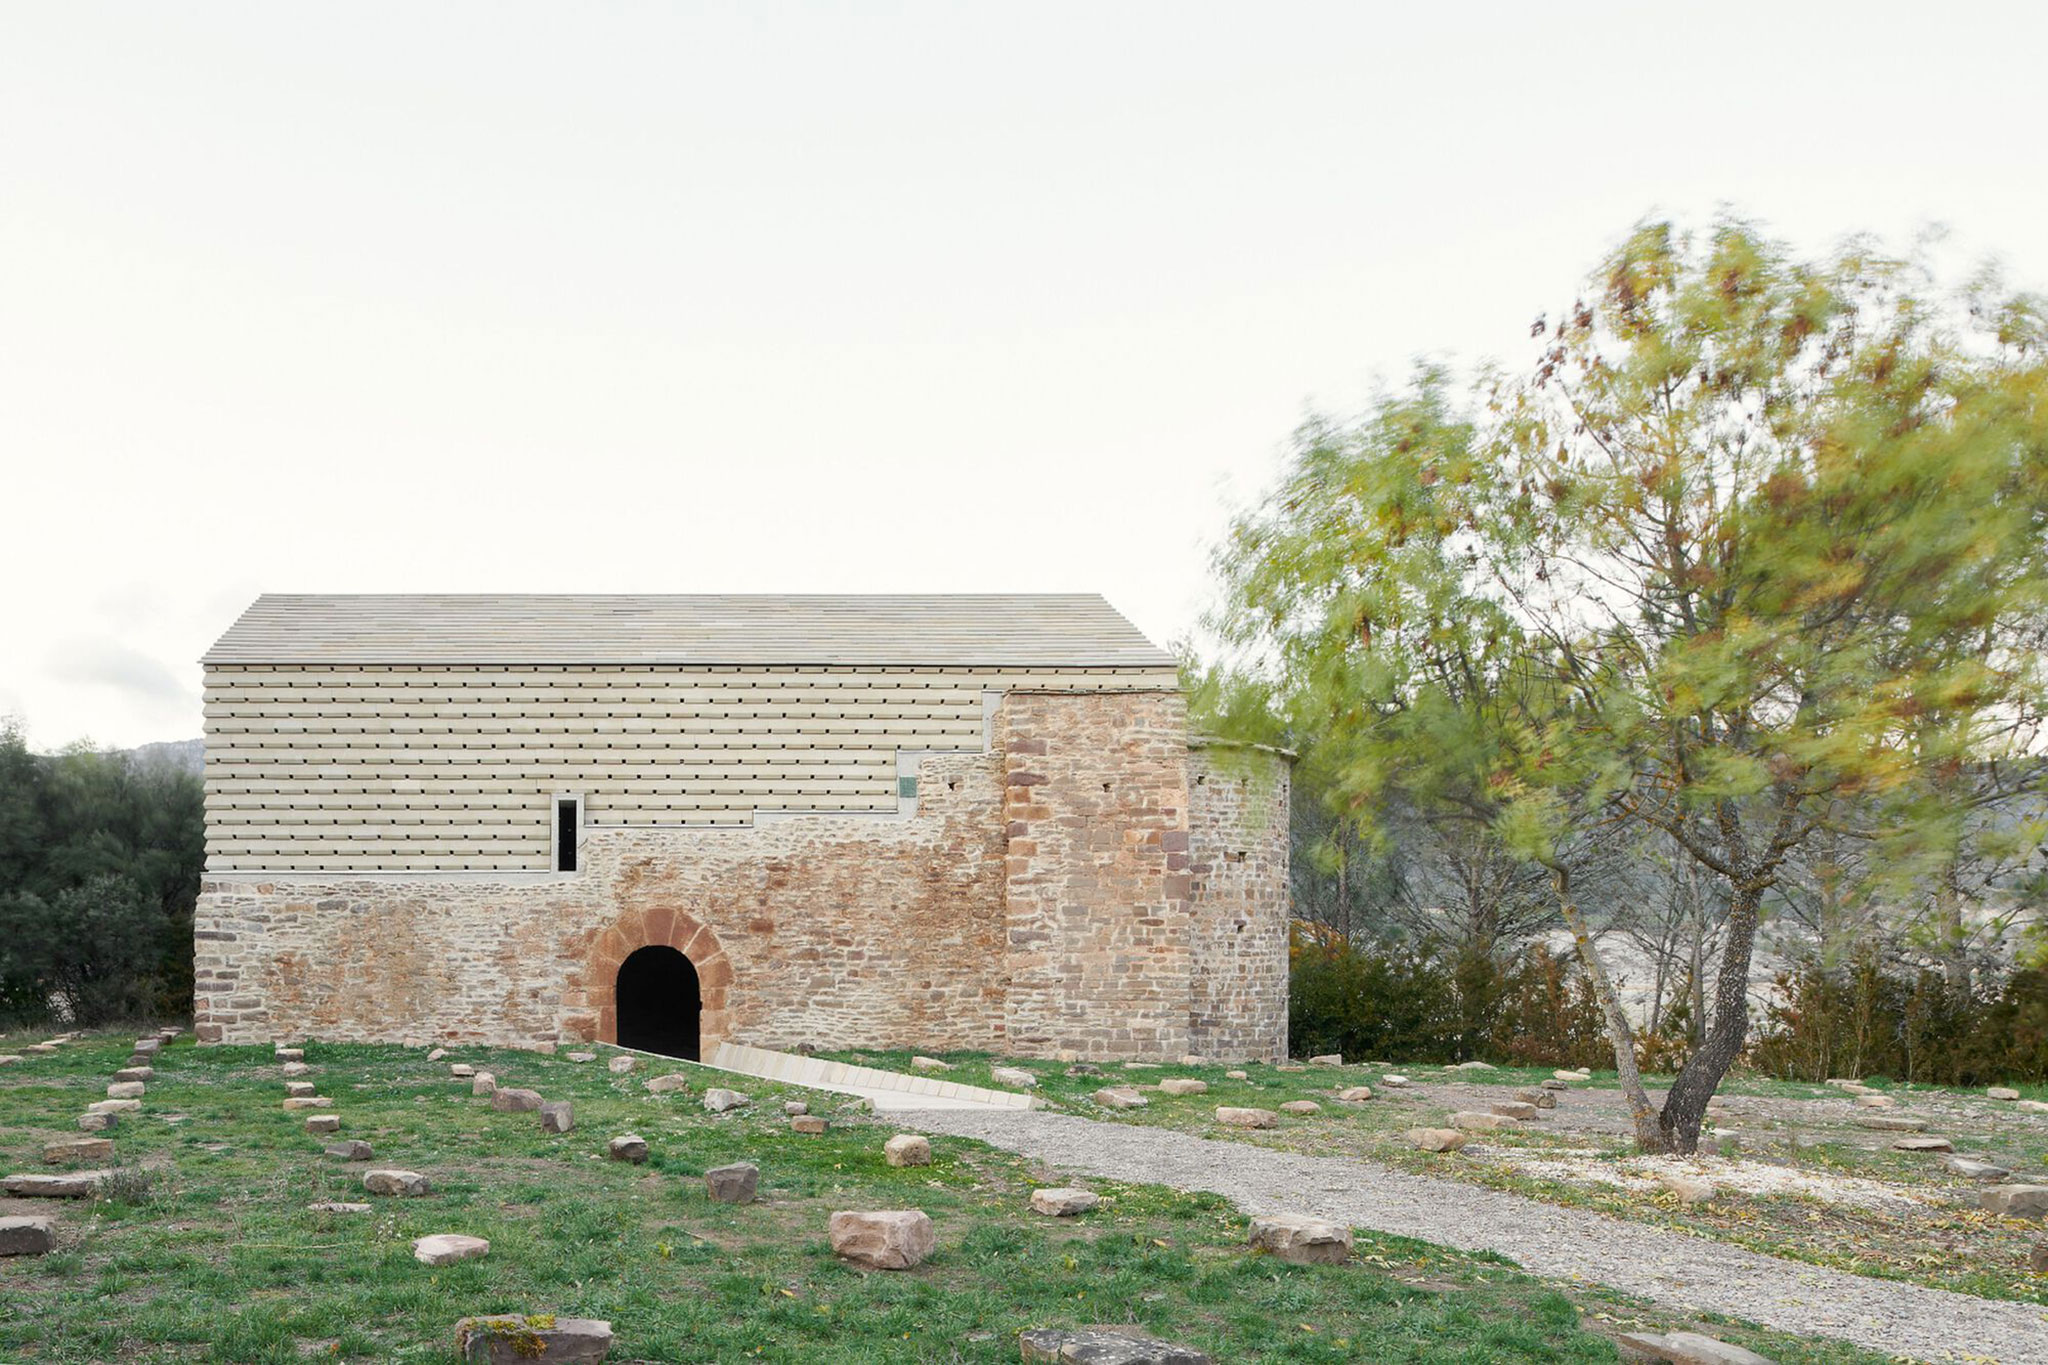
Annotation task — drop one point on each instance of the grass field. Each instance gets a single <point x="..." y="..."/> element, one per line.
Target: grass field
<point x="1944" y="1240"/>
<point x="208" y="1252"/>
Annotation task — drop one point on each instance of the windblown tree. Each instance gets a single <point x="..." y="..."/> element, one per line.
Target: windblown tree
<point x="1756" y="542"/>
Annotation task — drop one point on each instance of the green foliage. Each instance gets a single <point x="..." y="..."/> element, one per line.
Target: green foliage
<point x="99" y="869"/>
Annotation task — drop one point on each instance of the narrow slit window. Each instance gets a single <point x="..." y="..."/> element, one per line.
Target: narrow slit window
<point x="568" y="823"/>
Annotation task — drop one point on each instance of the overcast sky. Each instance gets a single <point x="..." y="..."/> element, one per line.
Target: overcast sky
<point x="833" y="298"/>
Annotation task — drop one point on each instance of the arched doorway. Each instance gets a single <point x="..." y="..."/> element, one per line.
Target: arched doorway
<point x="659" y="1003"/>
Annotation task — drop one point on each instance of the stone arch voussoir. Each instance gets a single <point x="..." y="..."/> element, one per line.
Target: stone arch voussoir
<point x="659" y="927"/>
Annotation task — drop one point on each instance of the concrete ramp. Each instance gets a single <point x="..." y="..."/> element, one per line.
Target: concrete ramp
<point x="888" y="1091"/>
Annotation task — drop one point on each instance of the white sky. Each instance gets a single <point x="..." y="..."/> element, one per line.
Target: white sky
<point x="762" y="298"/>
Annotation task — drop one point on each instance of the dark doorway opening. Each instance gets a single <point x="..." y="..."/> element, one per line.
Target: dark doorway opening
<point x="658" y="1003"/>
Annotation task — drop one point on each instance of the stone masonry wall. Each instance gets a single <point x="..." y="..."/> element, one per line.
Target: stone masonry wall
<point x="1238" y="827"/>
<point x="1096" y="905"/>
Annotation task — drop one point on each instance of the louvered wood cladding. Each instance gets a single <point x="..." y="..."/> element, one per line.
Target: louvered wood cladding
<point x="396" y="734"/>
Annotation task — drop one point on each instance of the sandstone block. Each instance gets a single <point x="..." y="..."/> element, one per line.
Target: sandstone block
<point x="1014" y="1076"/>
<point x="409" y="1184"/>
<point x="1689" y="1189"/>
<point x="1553" y="1085"/>
<point x="621" y="1064"/>
<point x="2010" y="1201"/>
<point x="437" y="1054"/>
<point x="1393" y="1082"/>
<point x="1686" y="1348"/>
<point x="31" y="1236"/>
<point x="1247" y="1118"/>
<point x="323" y="1123"/>
<point x="1103" y="1346"/>
<point x="581" y="1057"/>
<point x="1873" y="1101"/>
<point x="483" y="1084"/>
<point x="1889" y="1123"/>
<point x="1474" y="1066"/>
<point x="809" y="1124"/>
<point x="1436" y="1138"/>
<point x="515" y="1101"/>
<point x="882" y="1239"/>
<point x="10" y="1058"/>
<point x="1327" y="1059"/>
<point x="535" y="1339"/>
<point x="1237" y="1075"/>
<point x="78" y="1149"/>
<point x="352" y="1150"/>
<point x="907" y="1149"/>
<point x="1357" y="1094"/>
<point x="291" y="1054"/>
<point x="1063" y="1203"/>
<point x="1924" y="1144"/>
<point x="1521" y="1110"/>
<point x="2000" y="1092"/>
<point x="295" y="1069"/>
<point x="1473" y="1122"/>
<point x="149" y="1047"/>
<point x="1301" y="1107"/>
<point x="98" y="1123"/>
<point x="462" y="1071"/>
<point x="718" y="1100"/>
<point x="1536" y="1095"/>
<point x="1120" y="1097"/>
<point x="1301" y="1240"/>
<point x="331" y="1207"/>
<point x="791" y="1108"/>
<point x="126" y="1090"/>
<point x="309" y="1102"/>
<point x="1976" y="1170"/>
<point x="1183" y="1085"/>
<point x="2031" y="1106"/>
<point x="672" y="1083"/>
<point x="70" y="1185"/>
<point x="298" y="1087"/>
<point x="136" y="1073"/>
<point x="557" y="1116"/>
<point x="734" y="1184"/>
<point x="446" y="1248"/>
<point x="929" y="1064"/>
<point x="627" y="1147"/>
<point x="113" y="1107"/>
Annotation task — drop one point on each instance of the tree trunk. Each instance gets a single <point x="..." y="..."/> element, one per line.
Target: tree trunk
<point x="1686" y="1106"/>
<point x="1650" y="1135"/>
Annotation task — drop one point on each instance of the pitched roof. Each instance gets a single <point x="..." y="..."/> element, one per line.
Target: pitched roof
<point x="951" y="629"/>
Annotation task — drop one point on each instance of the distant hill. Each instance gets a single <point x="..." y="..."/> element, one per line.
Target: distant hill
<point x="188" y="755"/>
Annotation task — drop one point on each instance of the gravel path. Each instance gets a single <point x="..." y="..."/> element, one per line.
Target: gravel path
<point x="1688" y="1273"/>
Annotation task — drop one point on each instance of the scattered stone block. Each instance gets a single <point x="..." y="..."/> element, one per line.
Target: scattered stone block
<point x="407" y="1184"/>
<point x="809" y="1124"/>
<point x="70" y="1185"/>
<point x="1103" y="1346"/>
<point x="446" y="1248"/>
<point x="309" y="1102"/>
<point x="1357" y="1094"/>
<point x="718" y="1101"/>
<point x="298" y="1087"/>
<point x="1689" y="1189"/>
<point x="43" y="1047"/>
<point x="1538" y="1096"/>
<point x="1237" y="1075"/>
<point x="126" y="1090"/>
<point x="295" y="1069"/>
<point x="1141" y="1066"/>
<point x="1063" y="1203"/>
<point x="882" y="1239"/>
<point x="1473" y="1122"/>
<point x="621" y="1064"/>
<point x="2000" y="1092"/>
<point x="136" y="1073"/>
<point x="664" y="1085"/>
<point x="1566" y="1076"/>
<point x="1686" y="1348"/>
<point x="483" y="1084"/>
<point x="630" y="1147"/>
<point x="1924" y="1144"/>
<point x="791" y="1108"/>
<point x="734" y="1184"/>
<point x="2031" y="1106"/>
<point x="907" y="1149"/>
<point x="1971" y="1169"/>
<point x="1327" y="1059"/>
<point x="78" y="1149"/>
<point x="1301" y="1240"/>
<point x="1183" y="1085"/>
<point x="1289" y="1066"/>
<point x="1474" y="1066"/>
<point x="558" y="1116"/>
<point x="1521" y="1110"/>
<point x="30" y="1236"/>
<point x="1393" y="1082"/>
<point x="546" y="1049"/>
<point x="114" y="1107"/>
<point x="1889" y="1123"/>
<point x="323" y="1123"/>
<point x="1301" y="1107"/>
<point x="149" y="1046"/>
<point x="1553" y="1085"/>
<point x="99" y="1122"/>
<point x="10" y="1058"/>
<point x="2010" y="1201"/>
<point x="581" y="1057"/>
<point x="330" y="1206"/>
<point x="1874" y="1101"/>
<point x="1247" y="1118"/>
<point x="515" y="1101"/>
<point x="1120" y="1097"/>
<point x="462" y="1071"/>
<point x="1015" y="1076"/>
<point x="437" y="1054"/>
<point x="929" y="1064"/>
<point x="291" y="1054"/>
<point x="2037" y="1258"/>
<point x="352" y="1150"/>
<point x="533" y="1339"/>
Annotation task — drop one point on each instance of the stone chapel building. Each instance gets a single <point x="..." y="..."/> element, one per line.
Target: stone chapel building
<point x="670" y="821"/>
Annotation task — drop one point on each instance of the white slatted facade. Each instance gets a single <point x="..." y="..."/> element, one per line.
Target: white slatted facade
<point x="322" y="766"/>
